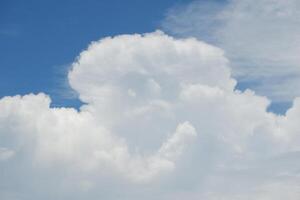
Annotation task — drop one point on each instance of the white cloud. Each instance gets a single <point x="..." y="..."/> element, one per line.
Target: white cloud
<point x="261" y="38"/>
<point x="161" y="121"/>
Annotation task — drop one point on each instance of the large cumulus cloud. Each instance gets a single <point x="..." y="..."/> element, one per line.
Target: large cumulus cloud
<point x="161" y="119"/>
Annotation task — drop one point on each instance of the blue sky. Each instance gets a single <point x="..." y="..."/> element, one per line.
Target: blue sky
<point x="39" y="39"/>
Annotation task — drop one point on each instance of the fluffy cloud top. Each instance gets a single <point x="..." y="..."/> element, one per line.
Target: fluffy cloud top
<point x="161" y="120"/>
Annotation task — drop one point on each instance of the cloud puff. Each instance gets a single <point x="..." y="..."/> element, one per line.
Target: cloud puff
<point x="161" y="120"/>
<point x="261" y="39"/>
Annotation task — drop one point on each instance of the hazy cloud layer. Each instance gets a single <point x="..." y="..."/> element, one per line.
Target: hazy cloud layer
<point x="161" y="120"/>
<point x="261" y="38"/>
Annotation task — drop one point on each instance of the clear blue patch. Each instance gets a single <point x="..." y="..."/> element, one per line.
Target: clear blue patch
<point x="280" y="107"/>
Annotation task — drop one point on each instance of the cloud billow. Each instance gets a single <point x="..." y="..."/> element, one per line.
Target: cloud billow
<point x="161" y="119"/>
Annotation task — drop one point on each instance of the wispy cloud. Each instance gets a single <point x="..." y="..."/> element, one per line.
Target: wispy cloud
<point x="261" y="39"/>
